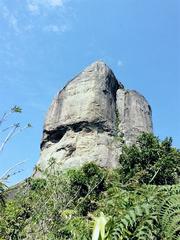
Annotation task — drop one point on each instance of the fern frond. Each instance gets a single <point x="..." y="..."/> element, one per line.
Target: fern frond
<point x="170" y="217"/>
<point x="133" y="220"/>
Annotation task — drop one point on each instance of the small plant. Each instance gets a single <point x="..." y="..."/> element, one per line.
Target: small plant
<point x="99" y="227"/>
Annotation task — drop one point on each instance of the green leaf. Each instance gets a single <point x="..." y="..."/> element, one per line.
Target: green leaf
<point x="99" y="227"/>
<point x="16" y="109"/>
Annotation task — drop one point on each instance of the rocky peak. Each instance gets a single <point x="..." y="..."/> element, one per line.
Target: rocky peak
<point x="88" y="99"/>
<point x="86" y="116"/>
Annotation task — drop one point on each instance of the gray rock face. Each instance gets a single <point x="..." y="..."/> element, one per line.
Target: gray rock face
<point x="134" y="113"/>
<point x="86" y="117"/>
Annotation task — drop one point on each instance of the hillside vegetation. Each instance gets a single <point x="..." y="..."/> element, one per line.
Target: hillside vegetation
<point x="139" y="200"/>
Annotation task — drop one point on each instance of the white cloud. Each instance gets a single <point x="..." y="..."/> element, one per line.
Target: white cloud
<point x="120" y="63"/>
<point x="13" y="22"/>
<point x="56" y="3"/>
<point x="4" y="11"/>
<point x="56" y="28"/>
<point x="25" y="18"/>
<point x="34" y="6"/>
<point x="10" y="18"/>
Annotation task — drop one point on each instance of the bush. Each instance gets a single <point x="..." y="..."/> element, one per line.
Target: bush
<point x="151" y="161"/>
<point x="87" y="184"/>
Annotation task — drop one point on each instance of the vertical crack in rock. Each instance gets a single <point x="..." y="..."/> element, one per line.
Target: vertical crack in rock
<point x="81" y="123"/>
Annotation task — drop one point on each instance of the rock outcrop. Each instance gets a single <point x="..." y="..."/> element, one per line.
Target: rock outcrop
<point x="87" y="118"/>
<point x="134" y="114"/>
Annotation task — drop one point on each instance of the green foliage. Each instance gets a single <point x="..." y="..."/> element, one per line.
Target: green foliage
<point x="151" y="161"/>
<point x="38" y="184"/>
<point x="170" y="216"/>
<point x="16" y="109"/>
<point x="2" y="191"/>
<point x="148" y="212"/>
<point x="83" y="180"/>
<point x="14" y="219"/>
<point x="132" y="202"/>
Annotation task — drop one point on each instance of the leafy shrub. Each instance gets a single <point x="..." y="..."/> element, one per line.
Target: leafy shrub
<point x="14" y="219"/>
<point x="151" y="161"/>
<point x="87" y="184"/>
<point x="38" y="184"/>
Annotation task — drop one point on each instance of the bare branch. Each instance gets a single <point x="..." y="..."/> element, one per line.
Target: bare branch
<point x="4" y="117"/>
<point x="14" y="131"/>
<point x="6" y="174"/>
<point x="15" y="109"/>
<point x="10" y="134"/>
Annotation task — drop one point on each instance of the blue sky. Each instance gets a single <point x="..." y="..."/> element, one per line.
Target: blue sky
<point x="44" y="43"/>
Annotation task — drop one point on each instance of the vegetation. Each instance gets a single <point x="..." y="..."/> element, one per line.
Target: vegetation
<point x="150" y="161"/>
<point x="6" y="133"/>
<point x="140" y="200"/>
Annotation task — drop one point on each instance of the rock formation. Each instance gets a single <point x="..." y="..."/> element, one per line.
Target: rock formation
<point x="89" y="117"/>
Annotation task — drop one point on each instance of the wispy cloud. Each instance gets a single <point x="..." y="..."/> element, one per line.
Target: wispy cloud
<point x="13" y="21"/>
<point x="120" y="63"/>
<point x="41" y="15"/>
<point x="56" y="28"/>
<point x="9" y="17"/>
<point x="4" y="12"/>
<point x="34" y="6"/>
<point x="56" y="3"/>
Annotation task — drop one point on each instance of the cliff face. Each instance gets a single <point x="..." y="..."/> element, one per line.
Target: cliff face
<point x="88" y="115"/>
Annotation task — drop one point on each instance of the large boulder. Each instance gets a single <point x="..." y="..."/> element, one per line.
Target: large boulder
<point x="87" y="118"/>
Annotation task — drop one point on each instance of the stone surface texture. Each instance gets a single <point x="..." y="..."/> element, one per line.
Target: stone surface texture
<point x="134" y="114"/>
<point x="88" y="117"/>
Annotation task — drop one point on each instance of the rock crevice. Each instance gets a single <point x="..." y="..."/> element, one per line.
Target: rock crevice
<point x="57" y="134"/>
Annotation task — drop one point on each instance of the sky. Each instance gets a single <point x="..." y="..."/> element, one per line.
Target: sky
<point x="45" y="43"/>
